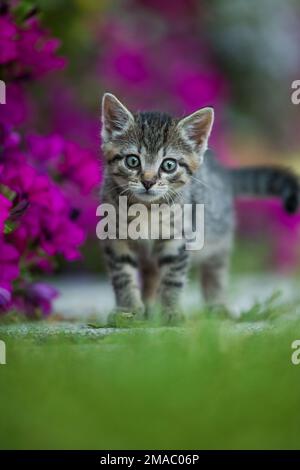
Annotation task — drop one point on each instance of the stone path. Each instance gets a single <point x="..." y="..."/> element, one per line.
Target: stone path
<point x="84" y="297"/>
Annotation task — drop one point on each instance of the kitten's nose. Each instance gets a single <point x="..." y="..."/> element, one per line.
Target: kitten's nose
<point x="148" y="184"/>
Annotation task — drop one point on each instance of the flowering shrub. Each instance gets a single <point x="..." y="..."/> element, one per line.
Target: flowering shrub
<point x="41" y="177"/>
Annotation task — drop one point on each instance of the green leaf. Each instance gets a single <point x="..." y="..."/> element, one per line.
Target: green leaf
<point x="7" y="192"/>
<point x="9" y="227"/>
<point x="25" y="9"/>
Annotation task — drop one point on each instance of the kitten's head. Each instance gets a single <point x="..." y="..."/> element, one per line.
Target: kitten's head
<point x="151" y="156"/>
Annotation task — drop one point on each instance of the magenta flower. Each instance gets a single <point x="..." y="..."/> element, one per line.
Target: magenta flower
<point x="60" y="235"/>
<point x="9" y="259"/>
<point x="81" y="167"/>
<point x="67" y="117"/>
<point x="37" y="297"/>
<point x="5" y="206"/>
<point x="37" y="52"/>
<point x="196" y="88"/>
<point x="85" y="207"/>
<point x="65" y="160"/>
<point x="45" y="148"/>
<point x="8" y="43"/>
<point x="5" y="299"/>
<point x="30" y="45"/>
<point x="15" y="111"/>
<point x="9" y="138"/>
<point x="37" y="172"/>
<point x="48" y="218"/>
<point x="24" y="180"/>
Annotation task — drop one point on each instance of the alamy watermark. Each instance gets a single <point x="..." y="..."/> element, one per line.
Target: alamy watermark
<point x="295" y="358"/>
<point x="2" y="353"/>
<point x="295" y="96"/>
<point x="157" y="221"/>
<point x="2" y="92"/>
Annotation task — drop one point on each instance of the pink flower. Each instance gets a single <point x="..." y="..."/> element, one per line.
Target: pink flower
<point x="196" y="88"/>
<point x="15" y="111"/>
<point x="9" y="259"/>
<point x="65" y="160"/>
<point x="8" y="43"/>
<point x="37" y="52"/>
<point x="36" y="296"/>
<point x="36" y="171"/>
<point x="63" y="237"/>
<point x="5" y="206"/>
<point x="48" y="219"/>
<point x="5" y="299"/>
<point x="9" y="138"/>
<point x="30" y="45"/>
<point x="81" y="167"/>
<point x="45" y="148"/>
<point x="24" y="180"/>
<point x="68" y="118"/>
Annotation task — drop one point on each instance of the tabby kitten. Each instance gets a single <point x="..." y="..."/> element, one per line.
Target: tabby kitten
<point x="153" y="158"/>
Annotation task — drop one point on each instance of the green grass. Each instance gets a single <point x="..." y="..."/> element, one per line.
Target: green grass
<point x="211" y="384"/>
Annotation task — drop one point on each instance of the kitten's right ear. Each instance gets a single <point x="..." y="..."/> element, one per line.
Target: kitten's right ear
<point x="116" y="118"/>
<point x="196" y="127"/>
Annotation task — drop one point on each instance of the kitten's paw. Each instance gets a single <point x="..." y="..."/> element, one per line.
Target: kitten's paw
<point x="220" y="310"/>
<point x="172" y="317"/>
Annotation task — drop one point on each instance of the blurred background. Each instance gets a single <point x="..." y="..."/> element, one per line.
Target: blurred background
<point x="179" y="56"/>
<point x="58" y="57"/>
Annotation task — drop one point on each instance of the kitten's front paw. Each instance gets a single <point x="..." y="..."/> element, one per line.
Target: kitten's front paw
<point x="220" y="310"/>
<point x="172" y="317"/>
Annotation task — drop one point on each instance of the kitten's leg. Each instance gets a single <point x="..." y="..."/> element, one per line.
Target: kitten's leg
<point x="122" y="265"/>
<point x="173" y="264"/>
<point x="214" y="279"/>
<point x="150" y="282"/>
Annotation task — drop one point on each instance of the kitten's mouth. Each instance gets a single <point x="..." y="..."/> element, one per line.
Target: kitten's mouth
<point x="149" y="195"/>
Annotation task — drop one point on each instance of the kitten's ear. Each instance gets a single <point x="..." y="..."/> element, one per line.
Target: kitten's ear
<point x="115" y="117"/>
<point x="196" y="127"/>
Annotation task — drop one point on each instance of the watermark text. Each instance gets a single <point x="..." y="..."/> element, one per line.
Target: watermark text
<point x="295" y="358"/>
<point x="154" y="222"/>
<point x="2" y="92"/>
<point x="295" y="96"/>
<point x="2" y="353"/>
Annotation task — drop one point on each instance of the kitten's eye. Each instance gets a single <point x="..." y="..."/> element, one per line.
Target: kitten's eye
<point x="132" y="161"/>
<point x="169" y="165"/>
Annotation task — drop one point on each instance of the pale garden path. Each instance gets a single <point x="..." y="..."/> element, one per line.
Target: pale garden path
<point x="85" y="297"/>
<point x="92" y="295"/>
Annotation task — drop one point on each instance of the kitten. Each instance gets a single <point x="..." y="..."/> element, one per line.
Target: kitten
<point x="153" y="158"/>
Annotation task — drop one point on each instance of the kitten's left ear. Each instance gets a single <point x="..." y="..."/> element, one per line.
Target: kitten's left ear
<point x="196" y="127"/>
<point x="116" y="118"/>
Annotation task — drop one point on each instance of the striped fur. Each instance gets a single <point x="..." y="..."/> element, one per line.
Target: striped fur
<point x="267" y="181"/>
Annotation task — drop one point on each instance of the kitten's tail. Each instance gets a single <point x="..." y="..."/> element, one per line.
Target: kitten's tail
<point x="267" y="181"/>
